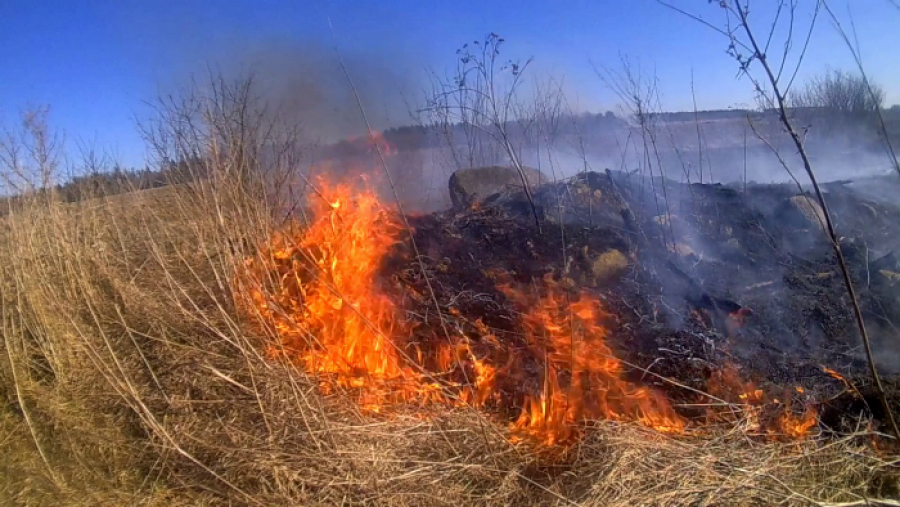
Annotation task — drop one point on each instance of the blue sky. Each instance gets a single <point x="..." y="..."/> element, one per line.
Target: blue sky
<point x="95" y="63"/>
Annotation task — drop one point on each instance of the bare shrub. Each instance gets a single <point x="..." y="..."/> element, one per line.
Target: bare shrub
<point x="838" y="103"/>
<point x="481" y="100"/>
<point x="839" y="92"/>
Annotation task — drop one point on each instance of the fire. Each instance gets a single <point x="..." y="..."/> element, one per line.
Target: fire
<point x="833" y="373"/>
<point x="329" y="311"/>
<point x="761" y="415"/>
<point x="371" y="144"/>
<point x="330" y="314"/>
<point x="797" y="427"/>
<point x="377" y="142"/>
<point x="581" y="378"/>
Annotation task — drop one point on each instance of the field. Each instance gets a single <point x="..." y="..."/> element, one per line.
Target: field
<point x="130" y="376"/>
<point x="241" y="337"/>
<point x="318" y="271"/>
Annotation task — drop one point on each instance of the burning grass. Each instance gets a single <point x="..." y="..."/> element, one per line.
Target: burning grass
<point x="332" y="318"/>
<point x="132" y="375"/>
<point x="548" y="379"/>
<point x="128" y="381"/>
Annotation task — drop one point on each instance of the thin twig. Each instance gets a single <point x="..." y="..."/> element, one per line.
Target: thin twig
<point x="868" y="502"/>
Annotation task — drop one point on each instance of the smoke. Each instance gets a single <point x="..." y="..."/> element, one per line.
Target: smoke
<point x="305" y="83"/>
<point x="308" y="80"/>
<point x="727" y="152"/>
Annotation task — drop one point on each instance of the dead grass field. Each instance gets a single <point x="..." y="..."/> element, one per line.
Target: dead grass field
<point x="128" y="378"/>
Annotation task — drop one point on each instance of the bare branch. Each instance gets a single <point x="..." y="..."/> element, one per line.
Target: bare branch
<point x="775" y="25"/>
<point x="788" y="41"/>
<point x="787" y="89"/>
<point x="701" y="21"/>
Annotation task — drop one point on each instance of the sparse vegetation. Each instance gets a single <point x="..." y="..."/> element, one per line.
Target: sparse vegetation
<point x="838" y="103"/>
<point x="840" y="92"/>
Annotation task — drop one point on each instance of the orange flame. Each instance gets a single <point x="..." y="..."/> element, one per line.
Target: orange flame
<point x="581" y="378"/>
<point x="835" y="374"/>
<point x="794" y="427"/>
<point x="331" y="316"/>
<point x="329" y="313"/>
<point x="371" y="144"/>
<point x="329" y="310"/>
<point x="754" y="405"/>
<point x="377" y="142"/>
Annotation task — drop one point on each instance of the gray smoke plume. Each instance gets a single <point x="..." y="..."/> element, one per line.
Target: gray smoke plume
<point x="304" y="83"/>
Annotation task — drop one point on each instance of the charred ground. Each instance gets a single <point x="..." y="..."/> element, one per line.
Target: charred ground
<point x="697" y="279"/>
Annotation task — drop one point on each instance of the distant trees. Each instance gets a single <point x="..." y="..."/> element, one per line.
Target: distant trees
<point x="96" y="183"/>
<point x="102" y="183"/>
<point x="840" y="92"/>
<point x="690" y="116"/>
<point x="838" y="103"/>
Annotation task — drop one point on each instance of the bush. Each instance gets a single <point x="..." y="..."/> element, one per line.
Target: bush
<point x="839" y="105"/>
<point x="840" y="92"/>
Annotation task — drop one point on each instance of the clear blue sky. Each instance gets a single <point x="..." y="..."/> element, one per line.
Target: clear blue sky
<point x="95" y="62"/>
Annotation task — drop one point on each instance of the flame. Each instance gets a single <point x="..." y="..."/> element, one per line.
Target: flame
<point x="834" y="374"/>
<point x="377" y="142"/>
<point x="582" y="377"/>
<point x="736" y="320"/>
<point x="329" y="311"/>
<point x="371" y="144"/>
<point x="754" y="405"/>
<point x="330" y="314"/>
<point x="794" y="427"/>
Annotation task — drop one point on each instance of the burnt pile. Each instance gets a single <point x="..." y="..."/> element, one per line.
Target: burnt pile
<point x="695" y="280"/>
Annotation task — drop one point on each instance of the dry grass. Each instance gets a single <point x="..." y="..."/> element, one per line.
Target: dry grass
<point x="128" y="377"/>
